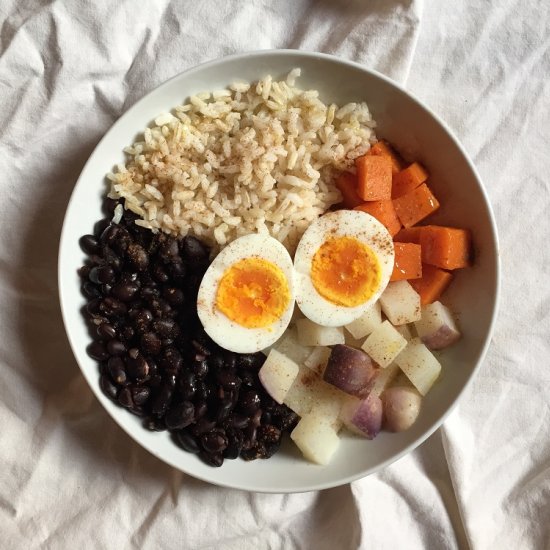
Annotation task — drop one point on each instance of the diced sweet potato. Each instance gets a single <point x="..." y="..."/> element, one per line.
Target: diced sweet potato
<point x="384" y="149"/>
<point x="445" y="247"/>
<point x="408" y="235"/>
<point x="347" y="184"/>
<point x="415" y="206"/>
<point x="384" y="212"/>
<point x="408" y="262"/>
<point x="373" y="177"/>
<point x="432" y="284"/>
<point x="408" y="179"/>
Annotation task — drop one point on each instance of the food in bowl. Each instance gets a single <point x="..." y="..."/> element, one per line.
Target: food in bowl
<point x="245" y="173"/>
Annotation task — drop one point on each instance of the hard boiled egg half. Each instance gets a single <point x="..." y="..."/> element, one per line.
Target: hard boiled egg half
<point x="342" y="265"/>
<point x="246" y="297"/>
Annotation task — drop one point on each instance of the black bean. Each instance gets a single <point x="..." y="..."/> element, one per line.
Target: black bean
<point x="200" y="347"/>
<point x="90" y="290"/>
<point x="201" y="408"/>
<point x="125" y="290"/>
<point x="249" y="402"/>
<point x="174" y="296"/>
<point x="89" y="244"/>
<point x="286" y="422"/>
<point x="105" y="289"/>
<point x="200" y="368"/>
<point x="141" y="319"/>
<point x="111" y="258"/>
<point x="251" y="360"/>
<point x="112" y="307"/>
<point x="84" y="271"/>
<point x="215" y="460"/>
<point x="215" y="361"/>
<point x="93" y="306"/>
<point x="171" y="360"/>
<point x="228" y="380"/>
<point x="136" y="366"/>
<point x="235" y="443"/>
<point x="266" y="417"/>
<point x="137" y="256"/>
<point x="100" y="226"/>
<point x="194" y="250"/>
<point x="187" y="442"/>
<point x="187" y="381"/>
<point x="159" y="274"/>
<point x="177" y="270"/>
<point x="162" y="399"/>
<point x="125" y="398"/>
<point x="96" y="350"/>
<point x="202" y="390"/>
<point x="116" y="347"/>
<point x="151" y="343"/>
<point x="180" y="416"/>
<point x="109" y="234"/>
<point x="154" y="381"/>
<point x="108" y="206"/>
<point x="166" y="328"/>
<point x="104" y="274"/>
<point x="106" y="331"/>
<point x="140" y="394"/>
<point x="229" y="359"/>
<point x="249" y="437"/>
<point x="108" y="388"/>
<point x="269" y="434"/>
<point x="169" y="250"/>
<point x="127" y="333"/>
<point x="149" y="292"/>
<point x="256" y="418"/>
<point x="248" y="379"/>
<point x="214" y="441"/>
<point x="224" y="409"/>
<point x="155" y="424"/>
<point x="202" y="425"/>
<point x="239" y="421"/>
<point x="117" y="371"/>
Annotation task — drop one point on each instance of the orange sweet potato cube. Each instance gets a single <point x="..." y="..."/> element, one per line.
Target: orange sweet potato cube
<point x="415" y="205"/>
<point x="373" y="177"/>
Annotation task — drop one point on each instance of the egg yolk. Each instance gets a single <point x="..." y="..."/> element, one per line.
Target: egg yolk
<point x="345" y="271"/>
<point x="253" y="293"/>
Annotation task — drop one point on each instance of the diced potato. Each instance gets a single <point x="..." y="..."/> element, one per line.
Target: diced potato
<point x="277" y="374"/>
<point x="437" y="328"/>
<point x="312" y="334"/>
<point x="384" y="344"/>
<point x="309" y="393"/>
<point x="401" y="408"/>
<point x="290" y="346"/>
<point x="366" y="323"/>
<point x="400" y="303"/>
<point x="317" y="359"/>
<point x="419" y="364"/>
<point x="363" y="416"/>
<point x="384" y="378"/>
<point x="328" y="404"/>
<point x="315" y="437"/>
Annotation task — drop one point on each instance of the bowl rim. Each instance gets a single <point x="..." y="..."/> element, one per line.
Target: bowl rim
<point x="64" y="236"/>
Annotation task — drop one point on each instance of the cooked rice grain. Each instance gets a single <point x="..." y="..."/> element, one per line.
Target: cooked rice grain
<point x="252" y="158"/>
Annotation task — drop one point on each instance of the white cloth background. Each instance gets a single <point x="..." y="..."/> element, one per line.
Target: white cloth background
<point x="69" y="477"/>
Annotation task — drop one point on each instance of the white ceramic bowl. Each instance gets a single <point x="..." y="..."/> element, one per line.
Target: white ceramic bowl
<point x="414" y="130"/>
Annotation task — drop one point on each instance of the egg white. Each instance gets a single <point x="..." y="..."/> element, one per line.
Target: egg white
<point x="359" y="225"/>
<point x="225" y="332"/>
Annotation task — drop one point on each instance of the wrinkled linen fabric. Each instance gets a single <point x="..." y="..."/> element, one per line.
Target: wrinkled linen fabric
<point x="69" y="477"/>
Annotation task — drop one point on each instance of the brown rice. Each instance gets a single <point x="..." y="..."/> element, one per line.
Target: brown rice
<point x="251" y="158"/>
